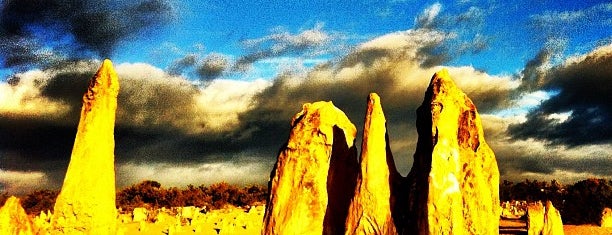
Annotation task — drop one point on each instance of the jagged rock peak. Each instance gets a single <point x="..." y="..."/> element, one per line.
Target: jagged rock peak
<point x="86" y="203"/>
<point x="104" y="83"/>
<point x="313" y="179"/>
<point x="371" y="210"/>
<point x="13" y="218"/>
<point x="454" y="179"/>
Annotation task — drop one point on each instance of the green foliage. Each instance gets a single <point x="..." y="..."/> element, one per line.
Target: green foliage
<point x="150" y="194"/>
<point x="37" y="201"/>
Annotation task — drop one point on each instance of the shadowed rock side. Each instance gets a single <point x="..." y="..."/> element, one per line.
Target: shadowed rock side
<point x="370" y="209"/>
<point x="13" y="218"/>
<point x="454" y="180"/>
<point x="86" y="203"/>
<point x="307" y="196"/>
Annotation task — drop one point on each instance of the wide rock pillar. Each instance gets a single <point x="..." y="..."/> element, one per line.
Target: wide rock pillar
<point x="454" y="179"/>
<point x="314" y="177"/>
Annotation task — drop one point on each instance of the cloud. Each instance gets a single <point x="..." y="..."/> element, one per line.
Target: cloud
<point x="582" y="87"/>
<point x="558" y="24"/>
<point x="388" y="65"/>
<point x="309" y="43"/>
<point x="243" y="172"/>
<point x="213" y="66"/>
<point x="463" y="31"/>
<point x="427" y="18"/>
<point x="42" y="32"/>
<point x="21" y="183"/>
<point x="159" y="115"/>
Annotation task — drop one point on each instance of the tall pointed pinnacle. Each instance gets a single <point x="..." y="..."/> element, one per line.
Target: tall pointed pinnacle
<point x="370" y="211"/>
<point x="454" y="179"/>
<point x="86" y="203"/>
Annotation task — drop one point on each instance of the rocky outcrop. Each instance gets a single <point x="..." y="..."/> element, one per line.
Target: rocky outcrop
<point x="535" y="218"/>
<point x="86" y="203"/>
<point x="453" y="187"/>
<point x="313" y="179"/>
<point x="552" y="221"/>
<point x="543" y="220"/>
<point x="454" y="180"/>
<point x="370" y="209"/>
<point x="13" y="218"/>
<point x="606" y="218"/>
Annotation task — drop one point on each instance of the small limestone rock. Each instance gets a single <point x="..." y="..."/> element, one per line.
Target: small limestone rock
<point x="139" y="214"/>
<point x="13" y="218"/>
<point x="606" y="218"/>
<point x="535" y="218"/>
<point x="552" y="221"/>
<point x="315" y="174"/>
<point x="454" y="180"/>
<point x="86" y="203"/>
<point x="370" y="209"/>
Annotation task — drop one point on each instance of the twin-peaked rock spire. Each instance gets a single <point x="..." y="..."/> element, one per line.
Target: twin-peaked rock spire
<point x="451" y="189"/>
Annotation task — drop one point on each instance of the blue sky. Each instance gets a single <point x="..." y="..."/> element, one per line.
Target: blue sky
<point x="208" y="88"/>
<point x="509" y="27"/>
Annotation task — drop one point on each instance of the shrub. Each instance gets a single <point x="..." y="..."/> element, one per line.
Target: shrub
<point x="585" y="201"/>
<point x="37" y="201"/>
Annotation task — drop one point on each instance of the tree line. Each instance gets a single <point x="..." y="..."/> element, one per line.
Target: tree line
<point x="151" y="195"/>
<point x="579" y="203"/>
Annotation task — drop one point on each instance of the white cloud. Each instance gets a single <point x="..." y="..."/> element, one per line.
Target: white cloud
<point x="22" y="182"/>
<point x="245" y="172"/>
<point x="427" y="18"/>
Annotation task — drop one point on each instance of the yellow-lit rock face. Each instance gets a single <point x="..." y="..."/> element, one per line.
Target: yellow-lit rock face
<point x="606" y="218"/>
<point x="552" y="221"/>
<point x="315" y="174"/>
<point x="86" y="203"/>
<point x="454" y="178"/>
<point x="13" y="218"/>
<point x="370" y="209"/>
<point x="535" y="218"/>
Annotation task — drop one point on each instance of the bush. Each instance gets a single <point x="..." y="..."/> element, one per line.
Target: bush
<point x="37" y="201"/>
<point x="585" y="201"/>
<point x="151" y="195"/>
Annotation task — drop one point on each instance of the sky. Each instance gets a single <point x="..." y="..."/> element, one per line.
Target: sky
<point x="208" y="88"/>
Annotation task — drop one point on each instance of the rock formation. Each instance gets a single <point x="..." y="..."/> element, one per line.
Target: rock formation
<point x="454" y="180"/>
<point x="13" y="218"/>
<point x="606" y="218"/>
<point x="313" y="179"/>
<point x="552" y="221"/>
<point x="86" y="203"/>
<point x="453" y="187"/>
<point x="370" y="209"/>
<point x="535" y="218"/>
<point x="544" y="220"/>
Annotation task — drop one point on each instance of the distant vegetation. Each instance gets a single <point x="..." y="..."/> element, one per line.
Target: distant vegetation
<point x="580" y="203"/>
<point x="151" y="194"/>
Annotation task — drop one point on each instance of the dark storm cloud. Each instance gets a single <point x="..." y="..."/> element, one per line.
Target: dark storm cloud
<point x="583" y="87"/>
<point x="212" y="66"/>
<point x="33" y="31"/>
